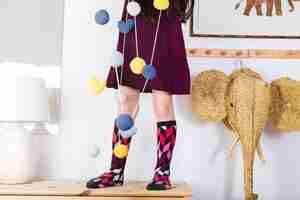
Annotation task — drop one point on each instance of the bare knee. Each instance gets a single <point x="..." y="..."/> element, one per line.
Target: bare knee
<point x="128" y="100"/>
<point x="163" y="106"/>
<point x="128" y="103"/>
<point x="163" y="111"/>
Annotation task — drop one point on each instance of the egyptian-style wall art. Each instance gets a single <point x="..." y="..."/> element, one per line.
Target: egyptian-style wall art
<point x="246" y="18"/>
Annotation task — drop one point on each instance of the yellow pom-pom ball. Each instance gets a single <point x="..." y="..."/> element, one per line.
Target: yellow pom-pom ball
<point x="97" y="86"/>
<point x="161" y="4"/>
<point x="121" y="151"/>
<point x="137" y="65"/>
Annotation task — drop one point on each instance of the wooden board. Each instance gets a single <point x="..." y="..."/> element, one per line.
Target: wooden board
<point x="87" y="198"/>
<point x="47" y="190"/>
<point x="137" y="189"/>
<point x="244" y="53"/>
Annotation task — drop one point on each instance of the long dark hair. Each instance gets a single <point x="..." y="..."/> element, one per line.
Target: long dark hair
<point x="182" y="8"/>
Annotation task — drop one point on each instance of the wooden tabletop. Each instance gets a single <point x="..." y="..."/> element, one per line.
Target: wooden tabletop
<point x="138" y="189"/>
<point x="55" y="188"/>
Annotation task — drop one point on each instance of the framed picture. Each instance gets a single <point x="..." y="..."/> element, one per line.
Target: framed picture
<point x="246" y="19"/>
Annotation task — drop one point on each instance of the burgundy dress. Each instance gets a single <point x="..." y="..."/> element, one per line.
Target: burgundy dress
<point x="170" y="60"/>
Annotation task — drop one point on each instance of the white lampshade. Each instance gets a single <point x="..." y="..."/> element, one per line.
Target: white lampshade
<point x="24" y="100"/>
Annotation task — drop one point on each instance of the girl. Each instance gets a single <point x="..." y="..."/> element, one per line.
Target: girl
<point x="173" y="78"/>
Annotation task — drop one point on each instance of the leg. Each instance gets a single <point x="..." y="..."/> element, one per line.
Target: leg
<point x="115" y="176"/>
<point x="270" y="5"/>
<point x="258" y="7"/>
<point x="249" y="5"/>
<point x="292" y="6"/>
<point x="166" y="133"/>
<point x="129" y="100"/>
<point x="163" y="106"/>
<point x="278" y="7"/>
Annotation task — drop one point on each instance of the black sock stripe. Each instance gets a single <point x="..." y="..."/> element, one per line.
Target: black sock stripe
<point x="167" y="123"/>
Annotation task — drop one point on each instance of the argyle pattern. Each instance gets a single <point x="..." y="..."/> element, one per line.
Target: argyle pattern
<point x="115" y="176"/>
<point x="166" y="139"/>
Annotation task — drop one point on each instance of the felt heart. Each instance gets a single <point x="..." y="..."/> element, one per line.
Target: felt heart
<point x="125" y="27"/>
<point x="97" y="86"/>
<point x="130" y="23"/>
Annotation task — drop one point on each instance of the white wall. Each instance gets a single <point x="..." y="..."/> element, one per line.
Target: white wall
<point x="31" y="31"/>
<point x="201" y="151"/>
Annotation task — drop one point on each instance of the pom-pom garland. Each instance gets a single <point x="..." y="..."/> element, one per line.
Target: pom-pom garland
<point x="94" y="151"/>
<point x="124" y="122"/>
<point x="149" y="72"/>
<point x="137" y="65"/>
<point x="121" y="151"/>
<point x="133" y="8"/>
<point x="117" y="59"/>
<point x="129" y="133"/>
<point x="126" y="26"/>
<point x="96" y="86"/>
<point x="102" y="17"/>
<point x="161" y="4"/>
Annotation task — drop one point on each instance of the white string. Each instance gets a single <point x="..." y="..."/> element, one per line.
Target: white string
<point x="117" y="75"/>
<point x="145" y="85"/>
<point x="118" y="92"/>
<point x="155" y="39"/>
<point x="122" y="67"/>
<point x="119" y="135"/>
<point x="136" y="38"/>
<point x="137" y="47"/>
<point x="154" y="47"/>
<point x="143" y="90"/>
<point x="124" y="44"/>
<point x="152" y="56"/>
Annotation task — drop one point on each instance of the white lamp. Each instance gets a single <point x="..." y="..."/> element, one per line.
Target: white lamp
<point x="45" y="141"/>
<point x="23" y="100"/>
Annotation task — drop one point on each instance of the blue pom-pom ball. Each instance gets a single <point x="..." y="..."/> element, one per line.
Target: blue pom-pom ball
<point x="102" y="17"/>
<point x="117" y="59"/>
<point x="124" y="122"/>
<point x="149" y="72"/>
<point x="125" y="27"/>
<point x="129" y="133"/>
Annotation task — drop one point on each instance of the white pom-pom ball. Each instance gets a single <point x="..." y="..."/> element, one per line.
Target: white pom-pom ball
<point x="133" y="8"/>
<point x="117" y="59"/>
<point x="94" y="151"/>
<point x="129" y="133"/>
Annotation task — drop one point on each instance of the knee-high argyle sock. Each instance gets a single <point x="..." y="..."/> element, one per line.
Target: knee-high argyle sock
<point x="166" y="139"/>
<point x="115" y="176"/>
